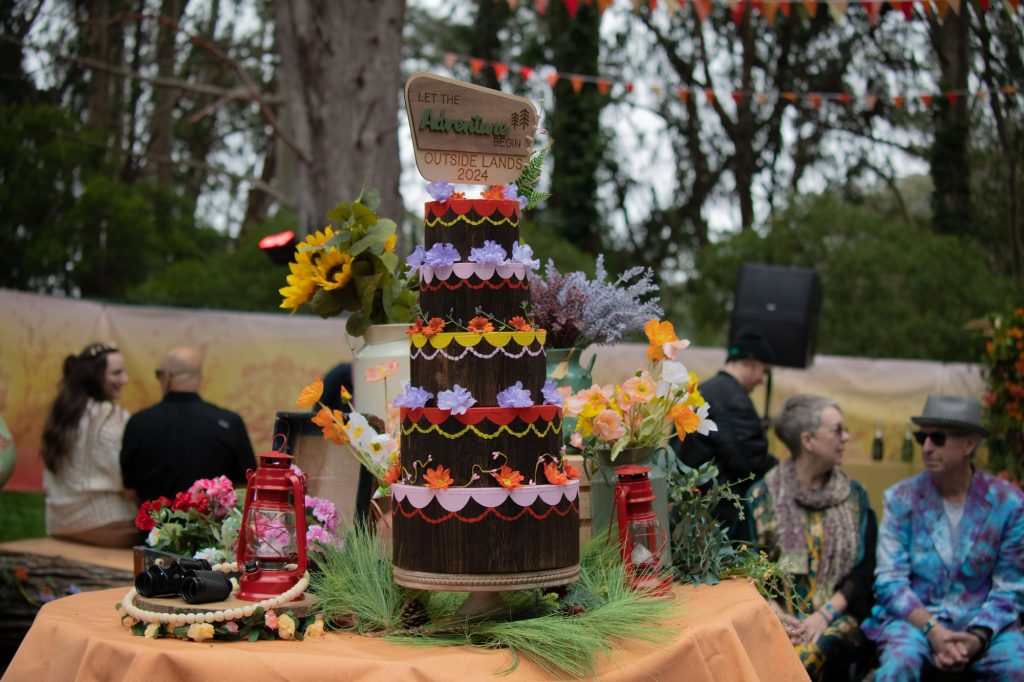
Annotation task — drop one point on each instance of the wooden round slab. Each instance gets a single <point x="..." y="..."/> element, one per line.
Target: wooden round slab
<point x="301" y="607"/>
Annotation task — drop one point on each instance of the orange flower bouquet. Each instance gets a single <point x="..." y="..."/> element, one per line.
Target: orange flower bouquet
<point x="643" y="410"/>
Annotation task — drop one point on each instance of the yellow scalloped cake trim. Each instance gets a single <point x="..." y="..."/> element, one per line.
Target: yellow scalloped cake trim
<point x="549" y="427"/>
<point x="467" y="339"/>
<point x="434" y="222"/>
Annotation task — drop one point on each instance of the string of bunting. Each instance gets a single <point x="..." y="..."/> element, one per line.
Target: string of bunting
<point x="770" y="8"/>
<point x="867" y="101"/>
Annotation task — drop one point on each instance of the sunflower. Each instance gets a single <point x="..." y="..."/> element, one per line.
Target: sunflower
<point x="333" y="269"/>
<point x="301" y="283"/>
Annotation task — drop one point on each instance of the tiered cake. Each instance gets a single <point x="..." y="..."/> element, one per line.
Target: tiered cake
<point x="508" y="518"/>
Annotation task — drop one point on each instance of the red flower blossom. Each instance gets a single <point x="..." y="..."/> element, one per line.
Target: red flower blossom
<point x="554" y="476"/>
<point x="416" y="327"/>
<point x="507" y="477"/>
<point x="435" y="326"/>
<point x="439" y="478"/>
<point x="393" y="473"/>
<point x="144" y="518"/>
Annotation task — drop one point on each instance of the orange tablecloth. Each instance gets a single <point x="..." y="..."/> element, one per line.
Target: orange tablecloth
<point x="726" y="632"/>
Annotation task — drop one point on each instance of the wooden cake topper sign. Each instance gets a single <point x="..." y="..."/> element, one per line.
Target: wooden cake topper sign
<point x="466" y="133"/>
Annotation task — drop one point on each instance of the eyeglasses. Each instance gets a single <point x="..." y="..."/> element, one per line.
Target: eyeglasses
<point x="838" y="430"/>
<point x="160" y="374"/>
<point x="938" y="437"/>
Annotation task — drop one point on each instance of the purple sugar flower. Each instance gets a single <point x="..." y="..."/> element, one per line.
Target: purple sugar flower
<point x="457" y="400"/>
<point x="324" y="511"/>
<point x="441" y="254"/>
<point x="440" y="190"/>
<point x="412" y="397"/>
<point x="490" y="252"/>
<point x="522" y="253"/>
<point x="515" y="396"/>
<point x="415" y="259"/>
<point x="511" y="191"/>
<point x="551" y="394"/>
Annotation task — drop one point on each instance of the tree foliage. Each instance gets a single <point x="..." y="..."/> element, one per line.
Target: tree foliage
<point x="889" y="289"/>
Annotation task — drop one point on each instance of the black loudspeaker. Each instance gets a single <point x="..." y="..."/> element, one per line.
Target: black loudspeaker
<point x="783" y="303"/>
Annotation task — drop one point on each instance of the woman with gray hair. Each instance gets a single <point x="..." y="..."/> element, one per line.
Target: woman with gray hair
<point x="816" y="522"/>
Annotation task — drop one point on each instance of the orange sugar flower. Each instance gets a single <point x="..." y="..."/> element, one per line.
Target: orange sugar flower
<point x="435" y="326"/>
<point x="571" y="472"/>
<point x="438" y="478"/>
<point x="346" y="397"/>
<point x="480" y="325"/>
<point x="310" y="395"/>
<point x="508" y="477"/>
<point x="380" y="372"/>
<point x="658" y="334"/>
<point x="457" y="195"/>
<point x="639" y="389"/>
<point x="416" y="327"/>
<point x="554" y="476"/>
<point x="493" y="192"/>
<point x="520" y="325"/>
<point x="393" y="473"/>
<point x="686" y="420"/>
<point x="332" y="424"/>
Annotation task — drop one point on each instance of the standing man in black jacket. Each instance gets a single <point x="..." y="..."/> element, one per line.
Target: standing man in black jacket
<point x="170" y="445"/>
<point x="739" y="447"/>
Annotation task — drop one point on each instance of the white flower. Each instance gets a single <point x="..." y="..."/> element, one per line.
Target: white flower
<point x="705" y="426"/>
<point x="675" y="373"/>
<point x="359" y="431"/>
<point x="153" y="537"/>
<point x="382" y="446"/>
<point x="673" y="347"/>
<point x="209" y="553"/>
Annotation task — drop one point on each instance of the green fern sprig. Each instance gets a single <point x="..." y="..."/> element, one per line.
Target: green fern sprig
<point x="527" y="180"/>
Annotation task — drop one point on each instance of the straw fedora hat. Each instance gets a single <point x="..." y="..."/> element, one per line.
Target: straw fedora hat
<point x="957" y="411"/>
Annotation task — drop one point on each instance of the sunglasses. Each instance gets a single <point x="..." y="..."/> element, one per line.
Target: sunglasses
<point x="938" y="437"/>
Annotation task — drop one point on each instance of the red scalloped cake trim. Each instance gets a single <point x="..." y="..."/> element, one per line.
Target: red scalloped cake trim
<point x="502" y="416"/>
<point x="483" y="207"/>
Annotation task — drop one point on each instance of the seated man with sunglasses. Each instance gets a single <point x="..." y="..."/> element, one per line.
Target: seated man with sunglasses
<point x="949" y="581"/>
<point x="169" y="446"/>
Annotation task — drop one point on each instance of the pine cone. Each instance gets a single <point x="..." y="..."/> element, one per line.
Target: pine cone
<point x="576" y="610"/>
<point x="414" y="615"/>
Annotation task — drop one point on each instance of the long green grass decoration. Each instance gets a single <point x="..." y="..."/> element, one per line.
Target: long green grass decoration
<point x="562" y="632"/>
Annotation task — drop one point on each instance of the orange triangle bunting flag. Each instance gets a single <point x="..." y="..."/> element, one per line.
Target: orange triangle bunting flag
<point x="552" y="78"/>
<point x="475" y="65"/>
<point x="837" y="8"/>
<point x="815" y="99"/>
<point x="737" y="96"/>
<point x="926" y="100"/>
<point x="943" y="8"/>
<point x="812" y="7"/>
<point x="709" y="95"/>
<point x="526" y="72"/>
<point x="769" y="10"/>
<point x="955" y="6"/>
<point x="500" y="70"/>
<point x="684" y="95"/>
<point x="541" y="6"/>
<point x="577" y="83"/>
<point x="952" y="96"/>
<point x="572" y="7"/>
<point x="897" y="101"/>
<point x="788" y="95"/>
<point x="874" y="9"/>
<point x="702" y="8"/>
<point x="603" y="86"/>
<point x="844" y="98"/>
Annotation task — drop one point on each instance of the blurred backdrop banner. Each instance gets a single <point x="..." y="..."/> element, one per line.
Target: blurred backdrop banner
<point x="254" y="363"/>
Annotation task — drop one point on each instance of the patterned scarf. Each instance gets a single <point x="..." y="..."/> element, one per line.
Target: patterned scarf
<point x="841" y="544"/>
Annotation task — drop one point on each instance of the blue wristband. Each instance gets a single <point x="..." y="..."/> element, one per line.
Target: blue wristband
<point x="928" y="625"/>
<point x="831" y="611"/>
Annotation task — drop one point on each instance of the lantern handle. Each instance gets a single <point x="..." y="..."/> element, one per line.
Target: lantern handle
<point x="299" y="494"/>
<point x="284" y="443"/>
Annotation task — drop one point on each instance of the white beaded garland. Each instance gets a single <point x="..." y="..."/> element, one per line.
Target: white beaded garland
<point x="222" y="615"/>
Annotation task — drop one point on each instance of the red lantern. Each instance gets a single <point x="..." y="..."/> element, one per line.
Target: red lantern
<point x="640" y="534"/>
<point x="272" y="541"/>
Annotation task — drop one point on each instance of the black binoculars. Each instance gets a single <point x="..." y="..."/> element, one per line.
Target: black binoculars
<point x="200" y="587"/>
<point x="158" y="581"/>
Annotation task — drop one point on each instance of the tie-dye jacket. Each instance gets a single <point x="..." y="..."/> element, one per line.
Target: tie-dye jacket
<point x="978" y="582"/>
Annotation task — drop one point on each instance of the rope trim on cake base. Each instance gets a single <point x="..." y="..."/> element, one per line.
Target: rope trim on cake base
<point x="499" y="582"/>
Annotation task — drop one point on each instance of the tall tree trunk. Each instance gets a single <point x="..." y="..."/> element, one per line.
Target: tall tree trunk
<point x="104" y="94"/>
<point x="161" y="123"/>
<point x="575" y="126"/>
<point x="340" y="78"/>
<point x="951" y="197"/>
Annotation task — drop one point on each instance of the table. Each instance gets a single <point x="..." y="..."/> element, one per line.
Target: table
<point x="726" y="632"/>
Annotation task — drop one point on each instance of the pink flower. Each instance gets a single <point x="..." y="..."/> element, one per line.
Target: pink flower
<point x="608" y="426"/>
<point x="317" y="534"/>
<point x="381" y="372"/>
<point x="637" y="390"/>
<point x="576" y="440"/>
<point x="219" y="490"/>
<point x="270" y="619"/>
<point x="672" y="347"/>
<point x="323" y="511"/>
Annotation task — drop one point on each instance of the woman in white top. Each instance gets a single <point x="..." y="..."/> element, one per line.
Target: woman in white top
<point x="85" y="496"/>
